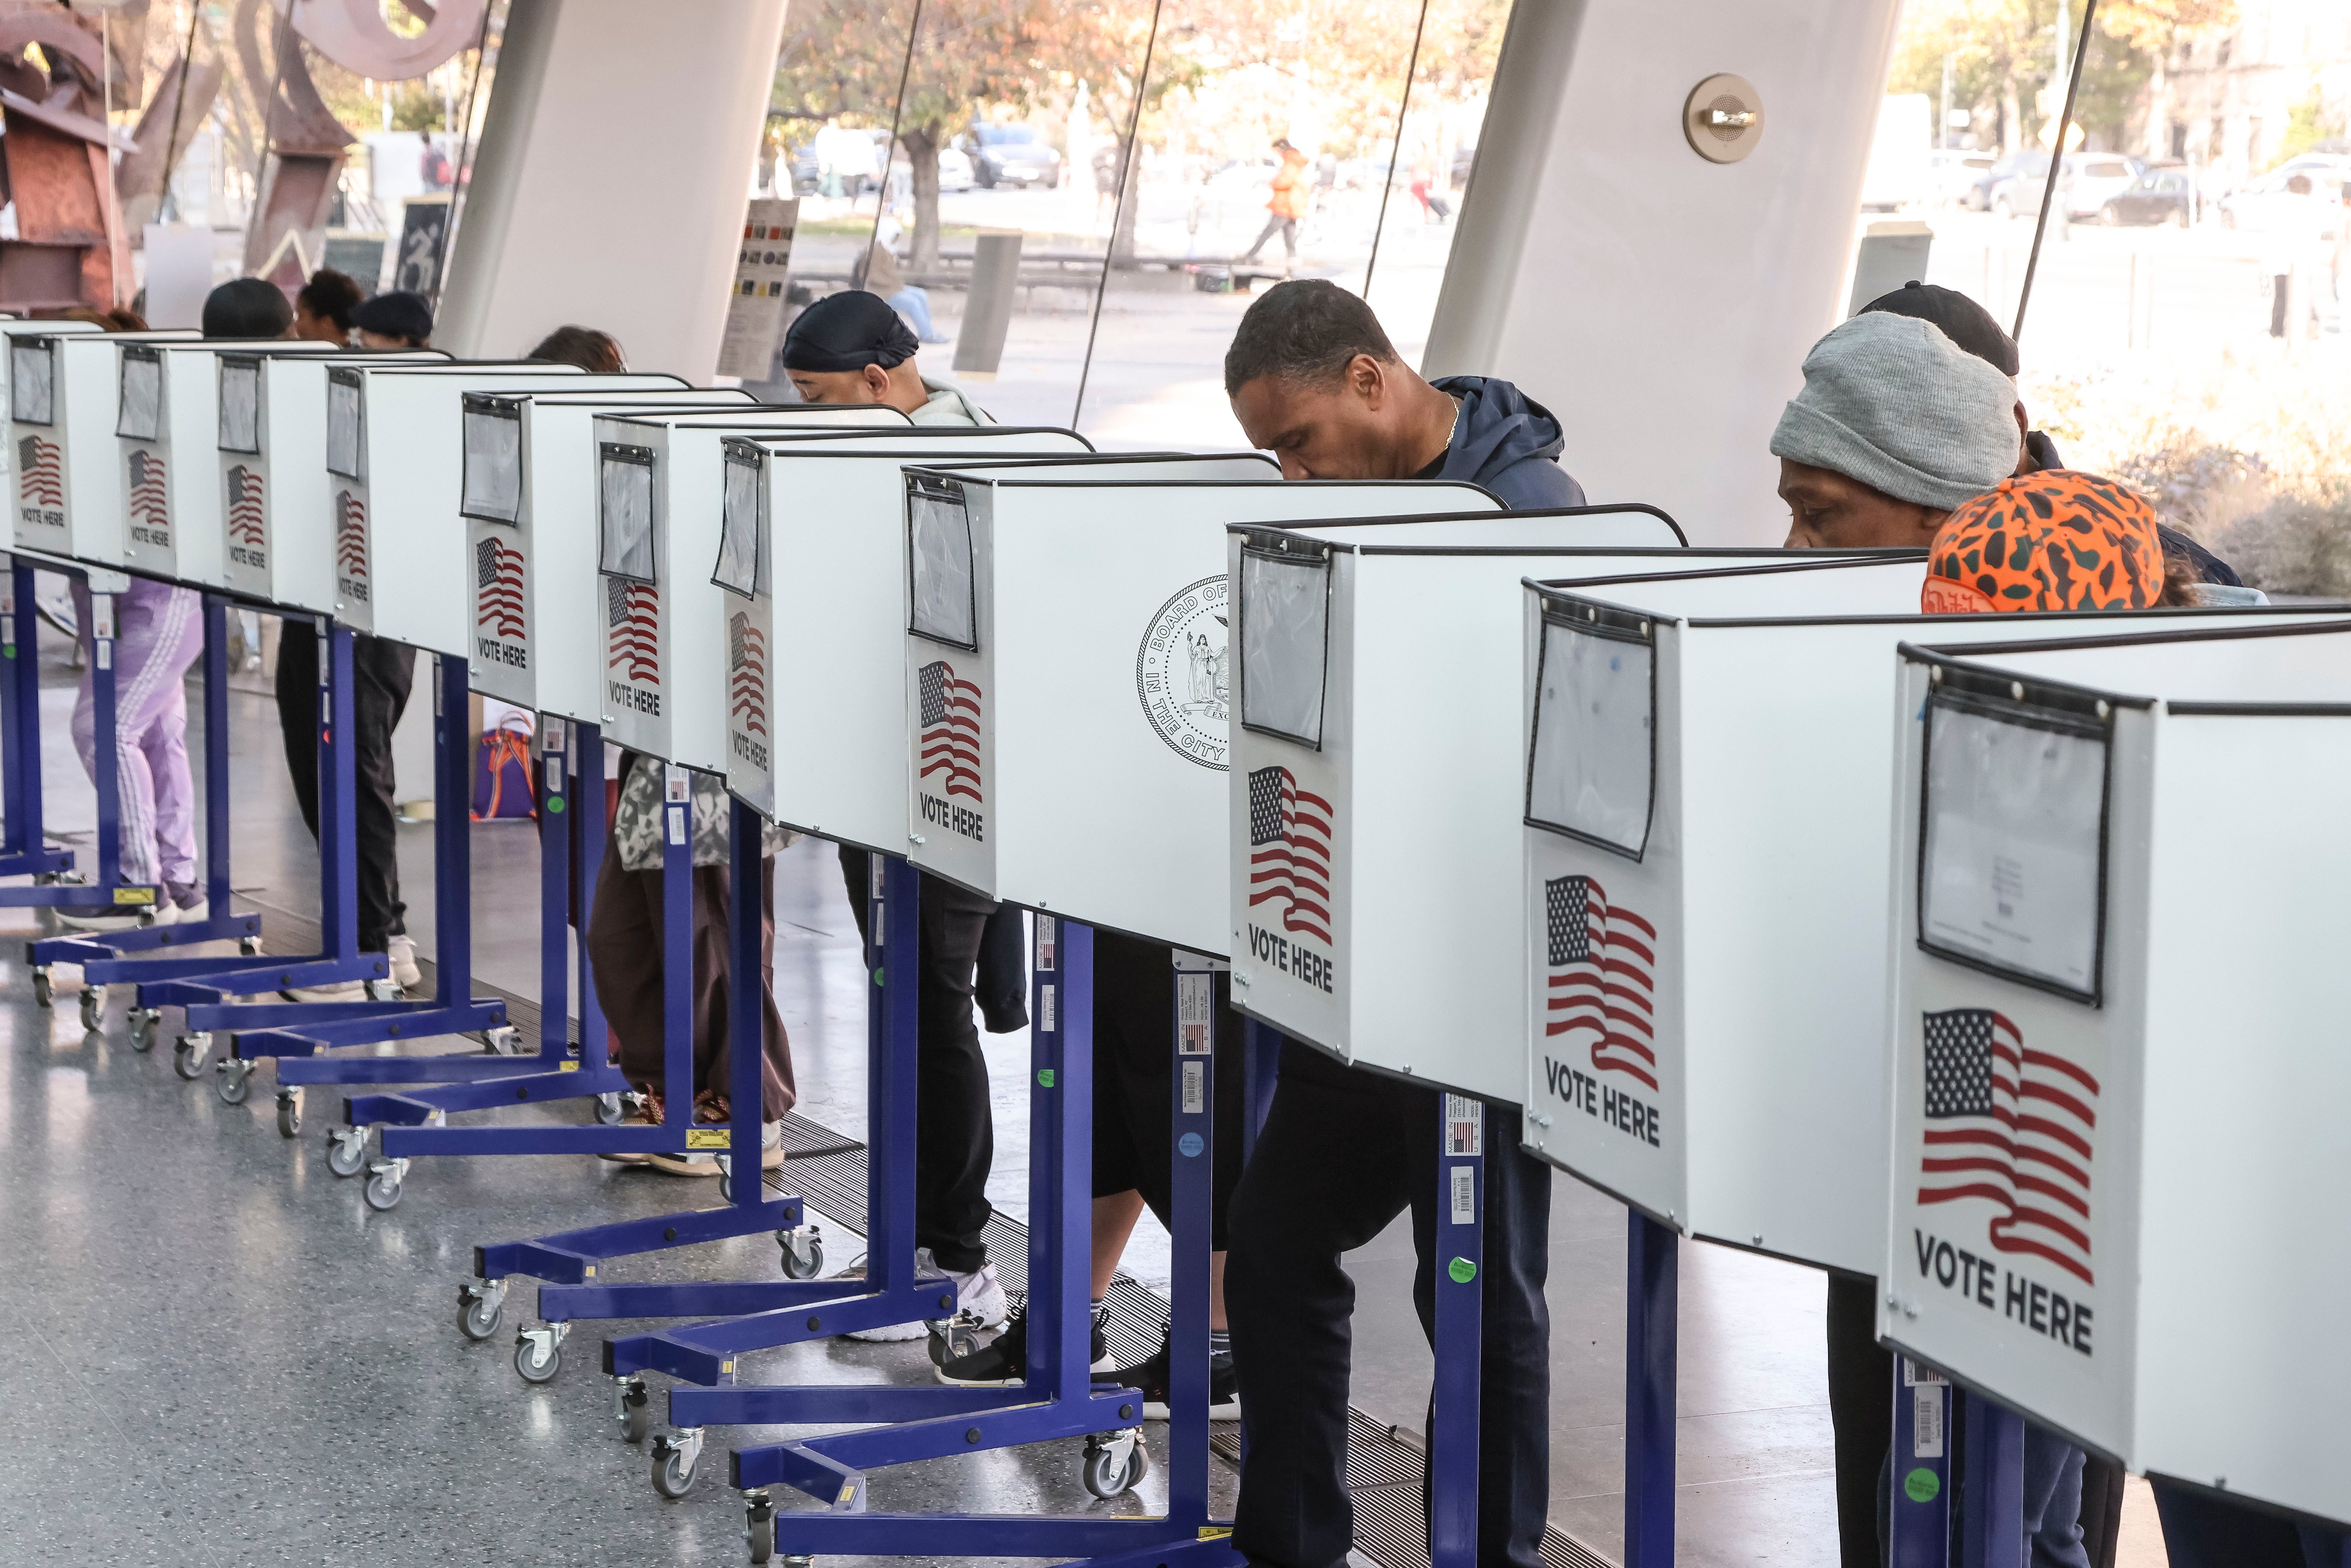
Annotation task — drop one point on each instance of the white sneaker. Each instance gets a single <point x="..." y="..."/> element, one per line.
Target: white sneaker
<point x="340" y="991"/>
<point x="979" y="1297"/>
<point x="402" y="952"/>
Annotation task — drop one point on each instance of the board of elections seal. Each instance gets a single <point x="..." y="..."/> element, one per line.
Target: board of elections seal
<point x="1182" y="674"/>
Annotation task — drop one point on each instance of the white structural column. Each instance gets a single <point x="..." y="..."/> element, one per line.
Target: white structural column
<point x="610" y="188"/>
<point x="1659" y="304"/>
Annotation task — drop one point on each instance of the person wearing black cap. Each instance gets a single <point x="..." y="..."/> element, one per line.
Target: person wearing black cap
<point x="1972" y="327"/>
<point x="400" y="319"/>
<point x="247" y="308"/>
<point x="853" y="348"/>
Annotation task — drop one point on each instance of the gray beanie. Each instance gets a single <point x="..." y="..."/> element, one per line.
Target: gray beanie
<point x="1890" y="401"/>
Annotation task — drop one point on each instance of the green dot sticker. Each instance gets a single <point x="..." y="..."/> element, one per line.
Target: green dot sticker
<point x="1921" y="1485"/>
<point x="1045" y="1077"/>
<point x="1462" y="1270"/>
<point x="555" y="804"/>
<point x="877" y="973"/>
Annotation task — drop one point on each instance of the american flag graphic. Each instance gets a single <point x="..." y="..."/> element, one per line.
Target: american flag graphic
<point x="40" y="472"/>
<point x="497" y="587"/>
<point x="747" y="664"/>
<point x="1602" y="977"/>
<point x="150" y="506"/>
<point x="1289" y="850"/>
<point x="2013" y="1125"/>
<point x="351" y="536"/>
<point x="632" y="629"/>
<point x="244" y="504"/>
<point x="950" y="742"/>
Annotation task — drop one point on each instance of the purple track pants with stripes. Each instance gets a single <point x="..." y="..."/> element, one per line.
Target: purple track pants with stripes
<point x="159" y="630"/>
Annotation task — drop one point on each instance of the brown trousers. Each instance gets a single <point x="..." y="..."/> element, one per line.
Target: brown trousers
<point x="624" y="944"/>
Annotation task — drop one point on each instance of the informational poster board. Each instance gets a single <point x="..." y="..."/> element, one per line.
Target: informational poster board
<point x="755" y="306"/>
<point x="2110" y="1190"/>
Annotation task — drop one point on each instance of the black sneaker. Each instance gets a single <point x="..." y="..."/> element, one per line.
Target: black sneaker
<point x="1150" y="1376"/>
<point x="1004" y="1360"/>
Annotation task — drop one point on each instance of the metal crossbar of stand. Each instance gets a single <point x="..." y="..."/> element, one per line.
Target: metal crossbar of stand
<point x="27" y="850"/>
<point x="101" y="955"/>
<point x="570" y="850"/>
<point x="570" y="1259"/>
<point x="303" y="1029"/>
<point x="199" y="983"/>
<point x="1057" y="1398"/>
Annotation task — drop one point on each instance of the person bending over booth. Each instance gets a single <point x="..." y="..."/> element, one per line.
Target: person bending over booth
<point x="1314" y="380"/>
<point x="852" y="347"/>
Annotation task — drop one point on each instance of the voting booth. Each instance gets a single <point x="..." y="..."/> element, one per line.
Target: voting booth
<point x="813" y="557"/>
<point x="167" y="416"/>
<point x="270" y="434"/>
<point x="1373" y="844"/>
<point x="659" y="505"/>
<point x="1708" y="775"/>
<point x="2116" y="1065"/>
<point x="1066" y="676"/>
<point x="61" y="418"/>
<point x="529" y="497"/>
<point x="10" y="331"/>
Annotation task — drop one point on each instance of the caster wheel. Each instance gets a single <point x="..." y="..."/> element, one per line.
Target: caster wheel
<point x="480" y="1310"/>
<point x="144" y="1024"/>
<point x="249" y="945"/>
<point x="636" y="1414"/>
<point x="759" y="1517"/>
<point x="347" y="1150"/>
<point x="289" y="1112"/>
<point x="538" y="1358"/>
<point x="609" y="1110"/>
<point x="503" y="1040"/>
<point x="233" y="1081"/>
<point x="42" y="995"/>
<point x="1110" y="1472"/>
<point x="951" y="1341"/>
<point x="726" y="1187"/>
<point x="803" y="1254"/>
<point x="382" y="1191"/>
<point x="799" y="1562"/>
<point x="675" y="1461"/>
<point x="93" y="1008"/>
<point x="188" y="1055"/>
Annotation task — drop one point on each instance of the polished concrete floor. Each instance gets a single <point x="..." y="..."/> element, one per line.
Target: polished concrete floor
<point x="223" y="1356"/>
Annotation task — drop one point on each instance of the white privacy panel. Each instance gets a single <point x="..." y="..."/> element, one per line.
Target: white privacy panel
<point x="527" y="491"/>
<point x="278" y="528"/>
<point x="61" y="413"/>
<point x="2108" y="1206"/>
<point x="816" y="651"/>
<point x="658" y="484"/>
<point x="1070" y="754"/>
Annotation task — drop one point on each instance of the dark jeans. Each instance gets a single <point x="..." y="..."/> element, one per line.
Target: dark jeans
<point x="1343" y="1153"/>
<point x="1135" y="1055"/>
<point x="382" y="673"/>
<point x="954" y="1133"/>
<point x="2200" y="1530"/>
<point x="1861" y="1413"/>
<point x="624" y="951"/>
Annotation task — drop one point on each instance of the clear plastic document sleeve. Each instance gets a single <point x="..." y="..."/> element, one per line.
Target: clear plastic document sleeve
<point x="343" y="424"/>
<point x="240" y="406"/>
<point x="1285" y="644"/>
<point x="138" y="415"/>
<point x="625" y="502"/>
<point x="30" y="369"/>
<point x="2013" y="831"/>
<point x="938" y="540"/>
<point x="1590" y="772"/>
<point x="493" y="482"/>
<point x="737" y="570"/>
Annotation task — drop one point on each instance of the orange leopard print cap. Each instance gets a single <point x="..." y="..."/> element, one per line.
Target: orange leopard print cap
<point x="2051" y="541"/>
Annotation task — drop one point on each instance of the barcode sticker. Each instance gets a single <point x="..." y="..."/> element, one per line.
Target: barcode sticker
<point x="551" y="764"/>
<point x="676" y="825"/>
<point x="1194" y="995"/>
<point x="1927" y="1423"/>
<point x="551" y="735"/>
<point x="1465" y="1125"/>
<point x="1045" y="936"/>
<point x="1196" y="1088"/>
<point x="1464" y="1195"/>
<point x="1914" y="1375"/>
<point x="105" y="646"/>
<point x="1045" y="1005"/>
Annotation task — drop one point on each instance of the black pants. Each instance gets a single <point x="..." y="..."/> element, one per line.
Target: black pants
<point x="624" y="946"/>
<point x="954" y="1133"/>
<point x="1861" y="1413"/>
<point x="1276" y="224"/>
<point x="1343" y="1153"/>
<point x="382" y="673"/>
<point x="2201" y="1530"/>
<point x="1135" y="1054"/>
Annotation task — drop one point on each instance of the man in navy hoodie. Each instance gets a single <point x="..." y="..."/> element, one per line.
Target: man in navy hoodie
<point x="1314" y="380"/>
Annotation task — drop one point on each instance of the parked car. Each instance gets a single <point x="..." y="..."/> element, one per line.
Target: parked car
<point x="955" y="172"/>
<point x="1977" y="196"/>
<point x="1955" y="175"/>
<point x="2161" y="197"/>
<point x="2089" y="178"/>
<point x="2266" y="204"/>
<point x="1010" y="155"/>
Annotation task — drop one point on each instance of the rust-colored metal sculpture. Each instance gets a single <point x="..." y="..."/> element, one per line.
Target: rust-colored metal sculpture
<point x="69" y="248"/>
